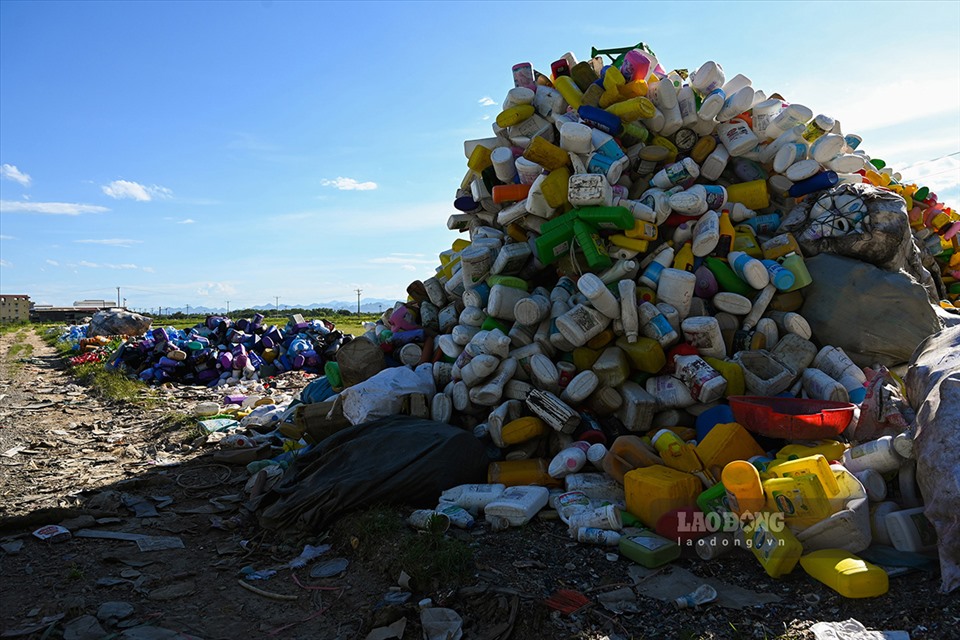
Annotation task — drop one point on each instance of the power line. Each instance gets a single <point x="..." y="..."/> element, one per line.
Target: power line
<point x="955" y="153"/>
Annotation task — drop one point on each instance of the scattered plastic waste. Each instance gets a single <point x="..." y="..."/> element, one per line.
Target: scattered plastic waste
<point x="703" y="595"/>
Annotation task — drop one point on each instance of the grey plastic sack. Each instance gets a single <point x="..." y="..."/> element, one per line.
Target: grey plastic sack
<point x="933" y="387"/>
<point x="875" y="316"/>
<point x="863" y="222"/>
<point x="117" y="322"/>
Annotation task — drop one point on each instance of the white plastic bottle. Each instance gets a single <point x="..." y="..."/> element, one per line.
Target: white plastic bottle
<point x="569" y="460"/>
<point x="737" y="136"/>
<point x="826" y="148"/>
<point x="706" y="234"/>
<point x="628" y="309"/>
<point x="580" y="387"/>
<point x="489" y="393"/>
<point x="817" y="384"/>
<point x="667" y="102"/>
<point x="698" y="199"/>
<point x="736" y="103"/>
<point x="715" y="163"/>
<point x="620" y="270"/>
<point x="703" y="332"/>
<point x="600" y="297"/>
<point x="770" y="151"/>
<point x="651" y="275"/>
<point x="704" y="382"/>
<point x="655" y="325"/>
<point x="473" y="497"/>
<point x="603" y="537"/>
<point x="688" y="105"/>
<point x="676" y="288"/>
<point x="581" y="323"/>
<point x="676" y="173"/>
<point x="879" y="455"/>
<point x="749" y="269"/>
<point x="763" y="113"/>
<point x="791" y="116"/>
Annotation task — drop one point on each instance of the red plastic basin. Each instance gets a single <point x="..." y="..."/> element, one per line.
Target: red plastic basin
<point x="791" y="418"/>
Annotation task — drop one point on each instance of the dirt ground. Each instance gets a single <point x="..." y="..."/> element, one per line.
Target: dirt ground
<point x="67" y="457"/>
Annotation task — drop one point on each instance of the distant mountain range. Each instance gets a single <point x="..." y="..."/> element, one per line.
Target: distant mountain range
<point x="367" y="305"/>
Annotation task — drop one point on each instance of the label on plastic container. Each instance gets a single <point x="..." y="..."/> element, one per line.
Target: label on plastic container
<point x="658" y="326"/>
<point x="676" y="173"/>
<point x="695" y="374"/>
<point x="650" y="543"/>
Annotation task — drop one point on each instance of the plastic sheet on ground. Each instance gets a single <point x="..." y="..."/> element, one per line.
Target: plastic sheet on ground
<point x="676" y="582"/>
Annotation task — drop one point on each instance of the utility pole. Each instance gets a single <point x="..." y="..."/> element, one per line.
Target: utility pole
<point x="359" y="291"/>
<point x="228" y="306"/>
<point x="118" y="296"/>
<point x="124" y="303"/>
<point x="277" y="299"/>
<point x="188" y="309"/>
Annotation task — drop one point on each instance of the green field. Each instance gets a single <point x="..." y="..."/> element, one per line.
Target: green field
<point x="346" y="322"/>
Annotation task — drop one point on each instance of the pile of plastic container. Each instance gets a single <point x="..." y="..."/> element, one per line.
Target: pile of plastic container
<point x="625" y="305"/>
<point x="223" y="351"/>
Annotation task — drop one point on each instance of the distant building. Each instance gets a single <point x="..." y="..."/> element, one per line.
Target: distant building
<point x="14" y="308"/>
<point x="99" y="304"/>
<point x="77" y="314"/>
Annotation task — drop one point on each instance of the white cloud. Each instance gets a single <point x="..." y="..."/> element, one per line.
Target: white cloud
<point x="486" y="101"/>
<point x="94" y="265"/>
<point x="940" y="175"/>
<point x="111" y="242"/>
<point x="186" y="221"/>
<point x="51" y="208"/>
<point x="349" y="184"/>
<point x="5" y="237"/>
<point x="10" y="172"/>
<point x="126" y="189"/>
<point x="215" y="288"/>
<point x="53" y="262"/>
<point x="149" y="269"/>
<point x="4" y="263"/>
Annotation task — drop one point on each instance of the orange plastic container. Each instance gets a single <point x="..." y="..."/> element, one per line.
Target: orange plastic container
<point x="628" y="453"/>
<point x="514" y="473"/>
<point x="510" y="192"/>
<point x="653" y="491"/>
<point x="725" y="443"/>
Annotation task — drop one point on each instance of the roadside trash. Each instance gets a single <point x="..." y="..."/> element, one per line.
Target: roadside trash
<point x="429" y="520"/>
<point x="329" y="568"/>
<point x="52" y="533"/>
<point x="440" y="623"/>
<point x="704" y="594"/>
<point x="567" y="601"/>
<point x="851" y="629"/>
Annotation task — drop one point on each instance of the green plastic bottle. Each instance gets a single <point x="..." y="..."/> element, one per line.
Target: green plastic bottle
<point x="727" y="279"/>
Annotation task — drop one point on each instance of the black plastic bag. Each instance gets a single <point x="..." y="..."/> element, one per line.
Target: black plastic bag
<point x="398" y="460"/>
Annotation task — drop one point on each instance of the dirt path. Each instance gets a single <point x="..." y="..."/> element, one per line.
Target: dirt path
<point x="69" y="458"/>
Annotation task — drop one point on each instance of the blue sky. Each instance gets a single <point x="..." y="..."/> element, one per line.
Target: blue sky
<point x="198" y="153"/>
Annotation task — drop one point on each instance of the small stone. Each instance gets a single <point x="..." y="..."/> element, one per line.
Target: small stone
<point x="110" y="612"/>
<point x="83" y="628"/>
